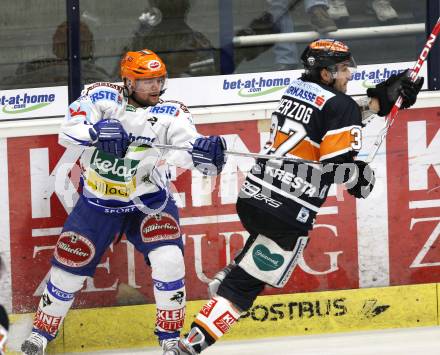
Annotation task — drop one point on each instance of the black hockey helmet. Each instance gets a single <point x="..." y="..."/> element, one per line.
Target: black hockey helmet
<point x="324" y="53"/>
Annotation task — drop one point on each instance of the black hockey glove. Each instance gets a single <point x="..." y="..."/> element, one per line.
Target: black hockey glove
<point x="361" y="182"/>
<point x="389" y="90"/>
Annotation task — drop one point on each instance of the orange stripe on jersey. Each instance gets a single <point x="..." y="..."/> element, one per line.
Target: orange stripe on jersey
<point x="303" y="150"/>
<point x="338" y="142"/>
<point x="206" y="328"/>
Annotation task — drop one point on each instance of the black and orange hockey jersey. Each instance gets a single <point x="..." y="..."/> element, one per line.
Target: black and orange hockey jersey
<point x="312" y="122"/>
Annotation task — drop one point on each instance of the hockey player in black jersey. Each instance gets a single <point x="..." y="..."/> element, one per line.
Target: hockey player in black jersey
<point x="278" y="202"/>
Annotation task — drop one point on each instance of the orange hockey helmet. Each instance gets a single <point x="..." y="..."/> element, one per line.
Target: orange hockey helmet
<point x="143" y="64"/>
<point x="323" y="53"/>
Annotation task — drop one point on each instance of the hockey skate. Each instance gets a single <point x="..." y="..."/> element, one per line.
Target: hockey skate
<point x="181" y="347"/>
<point x="34" y="345"/>
<point x="192" y="344"/>
<point x="168" y="344"/>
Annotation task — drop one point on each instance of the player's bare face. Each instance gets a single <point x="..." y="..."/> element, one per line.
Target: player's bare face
<point x="147" y="91"/>
<point x="342" y="77"/>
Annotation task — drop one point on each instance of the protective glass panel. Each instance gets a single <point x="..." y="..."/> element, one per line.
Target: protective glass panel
<point x="183" y="33"/>
<point x="33" y="41"/>
<point x="188" y="35"/>
<point x="271" y="34"/>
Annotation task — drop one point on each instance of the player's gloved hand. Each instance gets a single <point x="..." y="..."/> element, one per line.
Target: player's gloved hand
<point x="208" y="154"/>
<point x="362" y="181"/>
<point x="109" y="136"/>
<point x="388" y="91"/>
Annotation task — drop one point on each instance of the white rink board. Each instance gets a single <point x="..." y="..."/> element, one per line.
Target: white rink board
<point x="216" y="90"/>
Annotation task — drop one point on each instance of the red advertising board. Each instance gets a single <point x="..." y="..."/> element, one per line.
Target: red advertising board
<point x="211" y="228"/>
<point x="413" y="150"/>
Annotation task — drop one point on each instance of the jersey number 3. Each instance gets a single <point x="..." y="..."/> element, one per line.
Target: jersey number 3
<point x="356" y="143"/>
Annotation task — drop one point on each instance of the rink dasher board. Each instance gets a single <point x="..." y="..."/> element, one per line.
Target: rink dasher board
<point x="270" y="316"/>
<point x="215" y="90"/>
<point x="253" y="112"/>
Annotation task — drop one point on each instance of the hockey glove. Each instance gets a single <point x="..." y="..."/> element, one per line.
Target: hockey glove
<point x="208" y="154"/>
<point x="361" y="182"/>
<point x="109" y="136"/>
<point x="388" y="91"/>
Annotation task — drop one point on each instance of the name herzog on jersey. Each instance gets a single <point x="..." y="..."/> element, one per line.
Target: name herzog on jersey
<point x="312" y="122"/>
<point x="110" y="182"/>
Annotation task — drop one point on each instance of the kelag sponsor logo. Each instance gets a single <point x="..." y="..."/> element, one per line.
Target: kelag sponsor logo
<point x="25" y="102"/>
<point x="370" y="78"/>
<point x="108" y="166"/>
<point x="256" y="87"/>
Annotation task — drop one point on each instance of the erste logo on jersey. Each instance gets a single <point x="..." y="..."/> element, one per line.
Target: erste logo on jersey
<point x="169" y="110"/>
<point x="311" y="93"/>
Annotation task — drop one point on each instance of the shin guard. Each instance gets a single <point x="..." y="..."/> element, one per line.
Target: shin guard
<point x="216" y="318"/>
<point x="168" y="272"/>
<point x="56" y="301"/>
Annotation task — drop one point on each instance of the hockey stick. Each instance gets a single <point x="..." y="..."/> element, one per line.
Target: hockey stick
<point x="241" y="154"/>
<point x="389" y="119"/>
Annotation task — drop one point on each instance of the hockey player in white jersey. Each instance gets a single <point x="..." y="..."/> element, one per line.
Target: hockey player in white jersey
<point x="124" y="189"/>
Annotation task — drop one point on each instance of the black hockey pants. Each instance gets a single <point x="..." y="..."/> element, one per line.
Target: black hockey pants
<point x="239" y="287"/>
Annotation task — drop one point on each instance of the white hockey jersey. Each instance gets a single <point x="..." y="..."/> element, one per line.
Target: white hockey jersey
<point x="115" y="184"/>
